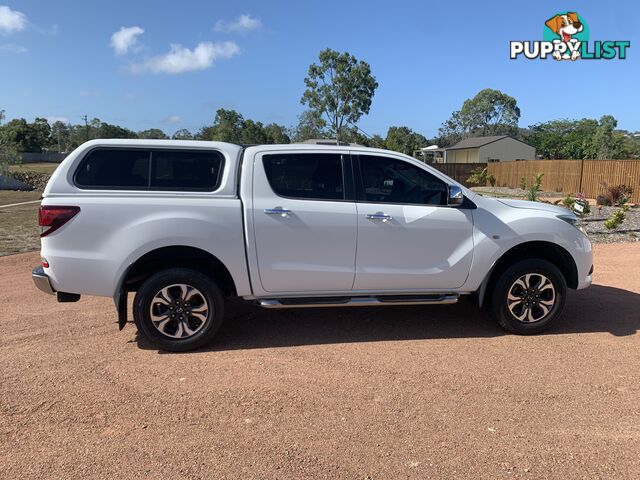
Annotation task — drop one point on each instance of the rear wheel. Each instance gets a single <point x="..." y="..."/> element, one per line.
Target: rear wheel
<point x="179" y="309"/>
<point x="528" y="296"/>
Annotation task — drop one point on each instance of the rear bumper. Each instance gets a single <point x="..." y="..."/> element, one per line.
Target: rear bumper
<point x="41" y="280"/>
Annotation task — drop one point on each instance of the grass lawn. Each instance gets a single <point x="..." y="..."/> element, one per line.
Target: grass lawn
<point x="46" y="167"/>
<point x="11" y="196"/>
<point x="19" y="231"/>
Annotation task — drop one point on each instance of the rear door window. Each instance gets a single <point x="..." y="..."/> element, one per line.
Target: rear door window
<point x="306" y="176"/>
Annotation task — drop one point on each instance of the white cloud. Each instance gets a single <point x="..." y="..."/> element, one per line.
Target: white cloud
<point x="125" y="39"/>
<point x="244" y="23"/>
<point x="11" y="20"/>
<point x="13" y="48"/>
<point x="173" y="119"/>
<point x="180" y="59"/>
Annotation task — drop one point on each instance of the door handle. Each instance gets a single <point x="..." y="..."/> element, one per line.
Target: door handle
<point x="379" y="216"/>
<point x="283" y="212"/>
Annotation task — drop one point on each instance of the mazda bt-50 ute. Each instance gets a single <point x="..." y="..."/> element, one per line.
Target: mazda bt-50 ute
<point x="186" y="224"/>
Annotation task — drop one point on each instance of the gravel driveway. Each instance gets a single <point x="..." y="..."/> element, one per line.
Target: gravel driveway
<point x="397" y="392"/>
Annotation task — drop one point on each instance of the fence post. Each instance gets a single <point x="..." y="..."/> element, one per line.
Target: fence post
<point x="580" y="181"/>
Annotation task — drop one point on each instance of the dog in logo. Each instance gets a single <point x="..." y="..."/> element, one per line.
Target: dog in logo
<point x="565" y="26"/>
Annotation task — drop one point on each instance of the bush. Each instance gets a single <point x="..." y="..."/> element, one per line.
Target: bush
<point x="481" y="176"/>
<point x="37" y="180"/>
<point x="603" y="201"/>
<point x="617" y="194"/>
<point x="615" y="220"/>
<point x="523" y="183"/>
<point x="568" y="202"/>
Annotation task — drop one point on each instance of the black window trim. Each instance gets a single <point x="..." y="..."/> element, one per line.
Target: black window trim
<point x="348" y="182"/>
<point x="361" y="195"/>
<point x="151" y="151"/>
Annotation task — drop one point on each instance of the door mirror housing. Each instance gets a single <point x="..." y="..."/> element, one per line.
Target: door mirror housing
<point x="456" y="197"/>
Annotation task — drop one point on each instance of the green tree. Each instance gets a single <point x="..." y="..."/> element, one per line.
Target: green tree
<point x="405" y="140"/>
<point x="227" y="127"/>
<point x="490" y="112"/>
<point x="276" y="134"/>
<point x="61" y="136"/>
<point x="153" y="133"/>
<point x="340" y="88"/>
<point x="182" y="134"/>
<point x="607" y="142"/>
<point x="2" y="116"/>
<point x="26" y="137"/>
<point x="310" y="125"/>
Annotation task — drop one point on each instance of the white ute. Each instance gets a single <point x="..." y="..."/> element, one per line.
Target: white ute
<point x="186" y="224"/>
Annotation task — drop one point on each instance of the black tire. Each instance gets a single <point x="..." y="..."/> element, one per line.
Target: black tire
<point x="205" y="330"/>
<point x="535" y="301"/>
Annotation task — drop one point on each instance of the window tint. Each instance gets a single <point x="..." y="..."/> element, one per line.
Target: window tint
<point x="139" y="169"/>
<point x="185" y="170"/>
<point x="114" y="169"/>
<point x="306" y="175"/>
<point x="388" y="180"/>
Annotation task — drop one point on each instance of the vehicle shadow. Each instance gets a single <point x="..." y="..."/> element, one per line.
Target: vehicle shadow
<point x="596" y="309"/>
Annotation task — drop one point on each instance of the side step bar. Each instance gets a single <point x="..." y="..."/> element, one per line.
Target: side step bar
<point x="436" y="299"/>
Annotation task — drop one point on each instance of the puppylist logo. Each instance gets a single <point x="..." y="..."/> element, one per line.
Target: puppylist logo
<point x="566" y="37"/>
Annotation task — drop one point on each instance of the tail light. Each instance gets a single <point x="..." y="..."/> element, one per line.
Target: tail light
<point x="51" y="218"/>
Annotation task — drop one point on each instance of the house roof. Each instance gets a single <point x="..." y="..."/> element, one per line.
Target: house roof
<point x="476" y="142"/>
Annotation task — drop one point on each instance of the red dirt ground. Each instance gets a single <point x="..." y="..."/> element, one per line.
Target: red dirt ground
<point x="396" y="392"/>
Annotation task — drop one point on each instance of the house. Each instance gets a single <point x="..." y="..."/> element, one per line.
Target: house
<point x="499" y="148"/>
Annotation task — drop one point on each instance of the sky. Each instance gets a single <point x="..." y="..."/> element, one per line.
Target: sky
<point x="172" y="64"/>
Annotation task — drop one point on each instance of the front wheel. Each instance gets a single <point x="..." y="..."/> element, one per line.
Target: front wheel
<point x="528" y="296"/>
<point x="178" y="309"/>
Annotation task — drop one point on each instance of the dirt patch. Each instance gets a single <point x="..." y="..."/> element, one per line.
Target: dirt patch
<point x="392" y="392"/>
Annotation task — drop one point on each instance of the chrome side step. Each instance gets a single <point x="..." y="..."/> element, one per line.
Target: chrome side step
<point x="435" y="299"/>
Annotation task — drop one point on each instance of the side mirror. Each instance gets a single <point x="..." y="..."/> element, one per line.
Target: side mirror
<point x="455" y="196"/>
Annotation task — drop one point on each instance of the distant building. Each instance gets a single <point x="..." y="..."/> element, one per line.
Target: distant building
<point x="500" y="148"/>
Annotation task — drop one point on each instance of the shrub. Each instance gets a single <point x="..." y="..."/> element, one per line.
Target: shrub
<point x="523" y="183"/>
<point x="602" y="201"/>
<point x="617" y="194"/>
<point x="568" y="202"/>
<point x="615" y="220"/>
<point x="481" y="176"/>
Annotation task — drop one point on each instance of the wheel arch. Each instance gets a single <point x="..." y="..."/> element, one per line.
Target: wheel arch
<point x="173" y="256"/>
<point x="553" y="253"/>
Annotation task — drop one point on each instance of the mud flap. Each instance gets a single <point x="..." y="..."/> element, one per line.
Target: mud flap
<point x="121" y="305"/>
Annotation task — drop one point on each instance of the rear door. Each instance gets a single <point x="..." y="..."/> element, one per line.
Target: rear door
<point x="408" y="238"/>
<point x="305" y="221"/>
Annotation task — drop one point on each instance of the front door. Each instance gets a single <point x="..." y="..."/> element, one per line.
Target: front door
<point x="305" y="228"/>
<point x="408" y="239"/>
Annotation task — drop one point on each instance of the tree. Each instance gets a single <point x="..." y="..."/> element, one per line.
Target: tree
<point x="340" y="88"/>
<point x="182" y="134"/>
<point x="252" y="133"/>
<point x="607" y="142"/>
<point x="310" y="125"/>
<point x="61" y="136"/>
<point x="578" y="139"/>
<point x="405" y="140"/>
<point x="227" y="127"/>
<point x="276" y="134"/>
<point x="2" y="116"/>
<point x="26" y="137"/>
<point x="153" y="133"/>
<point x="490" y="112"/>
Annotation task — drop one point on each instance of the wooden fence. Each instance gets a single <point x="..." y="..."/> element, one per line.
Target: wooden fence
<point x="570" y="176"/>
<point x="458" y="171"/>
